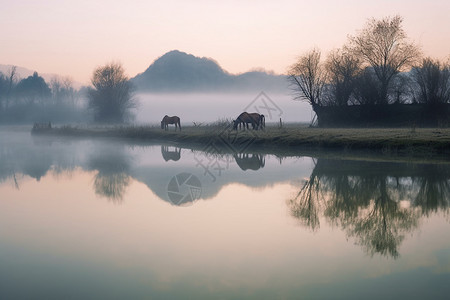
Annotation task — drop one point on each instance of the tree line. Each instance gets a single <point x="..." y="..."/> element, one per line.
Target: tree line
<point x="32" y="99"/>
<point x="379" y="77"/>
<point x="377" y="67"/>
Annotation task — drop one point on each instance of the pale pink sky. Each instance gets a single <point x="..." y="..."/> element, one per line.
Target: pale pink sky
<point x="72" y="38"/>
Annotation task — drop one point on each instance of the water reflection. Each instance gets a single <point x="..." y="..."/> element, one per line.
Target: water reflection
<point x="374" y="202"/>
<point x="112" y="178"/>
<point x="247" y="161"/>
<point x="170" y="153"/>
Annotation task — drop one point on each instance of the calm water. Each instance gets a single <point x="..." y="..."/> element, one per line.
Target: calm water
<point x="105" y="219"/>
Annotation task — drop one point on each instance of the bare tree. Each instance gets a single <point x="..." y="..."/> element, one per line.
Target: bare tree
<point x="433" y="82"/>
<point x="111" y="97"/>
<point x="3" y="88"/>
<point x="308" y="77"/>
<point x="367" y="88"/>
<point x="343" y="69"/>
<point x="55" y="86"/>
<point x="12" y="80"/>
<point x="69" y="90"/>
<point x="62" y="90"/>
<point x="401" y="89"/>
<point x="384" y="46"/>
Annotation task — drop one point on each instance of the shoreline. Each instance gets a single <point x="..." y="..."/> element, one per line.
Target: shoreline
<point x="403" y="142"/>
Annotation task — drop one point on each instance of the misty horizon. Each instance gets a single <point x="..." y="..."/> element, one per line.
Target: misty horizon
<point x="23" y="71"/>
<point x="211" y="107"/>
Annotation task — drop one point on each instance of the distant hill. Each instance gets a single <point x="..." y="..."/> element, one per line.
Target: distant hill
<point x="177" y="71"/>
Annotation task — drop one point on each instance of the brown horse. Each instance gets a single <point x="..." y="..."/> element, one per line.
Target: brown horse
<point x="170" y="120"/>
<point x="246" y="118"/>
<point x="259" y="120"/>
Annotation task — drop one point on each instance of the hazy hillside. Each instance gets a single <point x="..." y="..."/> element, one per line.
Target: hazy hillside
<point x="180" y="72"/>
<point x="177" y="71"/>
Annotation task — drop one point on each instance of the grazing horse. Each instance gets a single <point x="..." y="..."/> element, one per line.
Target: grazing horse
<point x="245" y="118"/>
<point x="259" y="121"/>
<point x="170" y="120"/>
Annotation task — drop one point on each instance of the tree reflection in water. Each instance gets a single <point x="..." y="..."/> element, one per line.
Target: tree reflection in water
<point x="111" y="186"/>
<point x="112" y="176"/>
<point x="304" y="205"/>
<point x="434" y="190"/>
<point x="376" y="203"/>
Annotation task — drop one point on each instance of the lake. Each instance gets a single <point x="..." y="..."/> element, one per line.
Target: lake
<point x="104" y="218"/>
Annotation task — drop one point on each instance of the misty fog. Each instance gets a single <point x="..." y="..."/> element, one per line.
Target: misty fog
<point x="209" y="107"/>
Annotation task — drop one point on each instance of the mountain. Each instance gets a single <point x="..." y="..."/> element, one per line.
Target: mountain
<point x="178" y="71"/>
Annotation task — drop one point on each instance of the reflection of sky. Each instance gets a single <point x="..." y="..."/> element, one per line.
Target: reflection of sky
<point x="240" y="241"/>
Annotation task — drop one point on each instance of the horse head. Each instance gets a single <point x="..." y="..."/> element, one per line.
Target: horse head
<point x="235" y="124"/>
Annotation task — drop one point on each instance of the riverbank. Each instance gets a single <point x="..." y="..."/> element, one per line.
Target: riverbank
<point x="403" y="141"/>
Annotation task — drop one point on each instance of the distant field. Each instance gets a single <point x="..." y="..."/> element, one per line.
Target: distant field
<point x="419" y="141"/>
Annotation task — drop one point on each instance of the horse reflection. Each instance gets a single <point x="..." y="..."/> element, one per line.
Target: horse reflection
<point x="169" y="154"/>
<point x="248" y="161"/>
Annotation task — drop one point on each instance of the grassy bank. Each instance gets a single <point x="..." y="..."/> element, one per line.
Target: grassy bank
<point x="407" y="141"/>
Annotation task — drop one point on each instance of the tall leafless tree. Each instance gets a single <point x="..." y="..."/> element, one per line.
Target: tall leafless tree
<point x="433" y="81"/>
<point x="307" y="78"/>
<point x="12" y="80"/>
<point x="384" y="46"/>
<point x="343" y="69"/>
<point x="367" y="90"/>
<point x="55" y="86"/>
<point x="62" y="90"/>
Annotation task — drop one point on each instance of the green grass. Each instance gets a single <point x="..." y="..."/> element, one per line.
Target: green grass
<point x="292" y="137"/>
